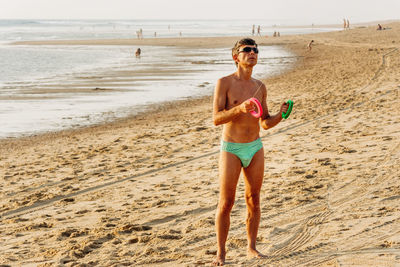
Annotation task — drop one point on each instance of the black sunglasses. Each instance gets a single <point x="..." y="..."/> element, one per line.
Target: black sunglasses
<point x="248" y="49"/>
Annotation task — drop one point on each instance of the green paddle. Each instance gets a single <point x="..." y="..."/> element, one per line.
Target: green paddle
<point x="286" y="115"/>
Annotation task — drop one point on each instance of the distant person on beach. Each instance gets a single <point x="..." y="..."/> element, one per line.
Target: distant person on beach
<point x="348" y="24"/>
<point x="138" y="52"/>
<point x="253" y="30"/>
<point x="241" y="146"/>
<point x="379" y="27"/>
<point x="139" y="34"/>
<point x="259" y="30"/>
<point x="309" y="46"/>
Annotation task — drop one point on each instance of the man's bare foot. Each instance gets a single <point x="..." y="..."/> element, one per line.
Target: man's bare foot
<point x="253" y="253"/>
<point x="220" y="260"/>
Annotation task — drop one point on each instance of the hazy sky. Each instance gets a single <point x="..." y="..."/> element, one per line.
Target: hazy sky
<point x="302" y="11"/>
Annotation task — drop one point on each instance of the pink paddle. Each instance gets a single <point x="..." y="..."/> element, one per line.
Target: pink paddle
<point x="257" y="114"/>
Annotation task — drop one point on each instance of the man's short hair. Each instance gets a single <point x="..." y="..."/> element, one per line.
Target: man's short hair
<point x="244" y="41"/>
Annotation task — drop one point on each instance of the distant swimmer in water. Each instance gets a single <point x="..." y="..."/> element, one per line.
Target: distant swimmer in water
<point x="137" y="53"/>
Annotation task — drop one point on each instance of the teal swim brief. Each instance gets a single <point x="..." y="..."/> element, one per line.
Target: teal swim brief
<point x="244" y="151"/>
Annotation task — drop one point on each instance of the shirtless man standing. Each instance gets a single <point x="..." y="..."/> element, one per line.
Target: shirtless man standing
<point x="241" y="144"/>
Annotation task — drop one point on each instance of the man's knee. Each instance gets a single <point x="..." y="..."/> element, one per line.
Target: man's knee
<point x="253" y="200"/>
<point x="226" y="205"/>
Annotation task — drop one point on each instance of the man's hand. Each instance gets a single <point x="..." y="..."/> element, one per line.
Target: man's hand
<point x="247" y="106"/>
<point x="284" y="108"/>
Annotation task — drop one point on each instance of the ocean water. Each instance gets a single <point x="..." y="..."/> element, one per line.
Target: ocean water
<point x="51" y="88"/>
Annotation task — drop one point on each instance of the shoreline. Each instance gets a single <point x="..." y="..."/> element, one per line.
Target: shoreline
<point x="330" y="188"/>
<point x="9" y="142"/>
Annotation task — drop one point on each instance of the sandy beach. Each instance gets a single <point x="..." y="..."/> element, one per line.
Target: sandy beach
<point x="142" y="191"/>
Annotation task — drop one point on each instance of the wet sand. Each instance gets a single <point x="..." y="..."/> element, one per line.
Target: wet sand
<point x="143" y="190"/>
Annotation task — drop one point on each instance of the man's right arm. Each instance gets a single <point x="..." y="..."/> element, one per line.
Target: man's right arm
<point x="222" y="115"/>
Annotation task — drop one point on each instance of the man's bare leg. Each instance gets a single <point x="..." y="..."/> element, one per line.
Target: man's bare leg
<point x="254" y="174"/>
<point x="229" y="172"/>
